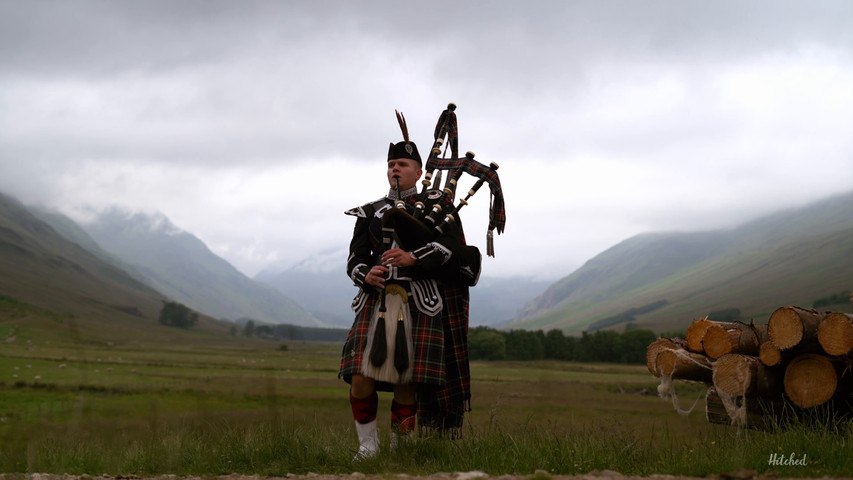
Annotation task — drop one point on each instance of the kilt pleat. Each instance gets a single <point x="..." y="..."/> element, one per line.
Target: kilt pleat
<point x="444" y="407"/>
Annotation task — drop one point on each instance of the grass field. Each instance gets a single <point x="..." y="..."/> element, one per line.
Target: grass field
<point x="255" y="408"/>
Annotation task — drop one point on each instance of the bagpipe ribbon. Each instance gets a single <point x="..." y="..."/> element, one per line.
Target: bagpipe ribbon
<point x="497" y="211"/>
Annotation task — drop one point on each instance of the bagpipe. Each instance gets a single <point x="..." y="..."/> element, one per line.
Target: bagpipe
<point x="420" y="227"/>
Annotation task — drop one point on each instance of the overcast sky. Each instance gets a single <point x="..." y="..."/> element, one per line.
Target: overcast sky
<point x="255" y="124"/>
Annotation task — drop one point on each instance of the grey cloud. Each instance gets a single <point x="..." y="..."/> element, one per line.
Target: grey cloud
<point x="102" y="36"/>
<point x="212" y="85"/>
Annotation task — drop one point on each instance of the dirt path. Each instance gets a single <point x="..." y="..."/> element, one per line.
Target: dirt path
<point x="539" y="475"/>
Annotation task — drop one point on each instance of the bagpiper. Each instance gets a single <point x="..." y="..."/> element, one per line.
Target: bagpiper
<point x="411" y="264"/>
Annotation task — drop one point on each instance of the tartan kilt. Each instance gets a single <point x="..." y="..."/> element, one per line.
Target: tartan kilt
<point x="440" y="369"/>
<point x="427" y="341"/>
<point x="443" y="408"/>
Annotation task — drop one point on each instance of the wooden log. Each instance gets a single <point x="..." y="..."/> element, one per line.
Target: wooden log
<point x="788" y="326"/>
<point x="810" y="380"/>
<point x="683" y="365"/>
<point x="761" y="413"/>
<point x="759" y="336"/>
<point x="738" y="375"/>
<point x="719" y="341"/>
<point x="659" y="345"/>
<point x="723" y="338"/>
<point x="835" y="333"/>
<point x="715" y="410"/>
<point x="695" y="333"/>
<point x="770" y="354"/>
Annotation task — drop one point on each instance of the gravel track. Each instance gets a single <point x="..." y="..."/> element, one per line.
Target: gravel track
<point x="743" y="474"/>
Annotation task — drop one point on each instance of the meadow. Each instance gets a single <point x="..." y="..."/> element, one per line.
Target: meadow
<point x="261" y="407"/>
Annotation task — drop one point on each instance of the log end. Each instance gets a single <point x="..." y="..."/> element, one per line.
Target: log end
<point x="695" y="333"/>
<point x="785" y="327"/>
<point x="666" y="362"/>
<point x="810" y="380"/>
<point x="652" y="351"/>
<point x="732" y="375"/>
<point x="769" y="354"/>
<point x="717" y="341"/>
<point x="835" y="333"/>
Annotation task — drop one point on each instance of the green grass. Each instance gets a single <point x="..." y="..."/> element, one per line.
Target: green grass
<point x="251" y="408"/>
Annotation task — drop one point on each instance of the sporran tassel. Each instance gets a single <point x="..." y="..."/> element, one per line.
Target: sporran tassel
<point x="379" y="349"/>
<point x="389" y="350"/>
<point x="401" y="348"/>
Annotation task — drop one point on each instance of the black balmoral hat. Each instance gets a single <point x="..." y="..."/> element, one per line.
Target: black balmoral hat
<point x="404" y="149"/>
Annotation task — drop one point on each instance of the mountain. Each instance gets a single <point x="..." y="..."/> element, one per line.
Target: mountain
<point x="321" y="285"/>
<point x="44" y="275"/>
<point x="72" y="231"/>
<point x="665" y="280"/>
<point x="180" y="266"/>
<point x="496" y="301"/>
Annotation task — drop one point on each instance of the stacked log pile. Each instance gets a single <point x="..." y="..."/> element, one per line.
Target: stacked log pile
<point x="762" y="374"/>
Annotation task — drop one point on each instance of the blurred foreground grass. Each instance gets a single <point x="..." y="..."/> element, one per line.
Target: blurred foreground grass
<point x="257" y="409"/>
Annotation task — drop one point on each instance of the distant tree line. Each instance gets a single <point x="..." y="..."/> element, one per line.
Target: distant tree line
<point x="296" y="333"/>
<point x="485" y="343"/>
<point x="839" y="298"/>
<point x="174" y="314"/>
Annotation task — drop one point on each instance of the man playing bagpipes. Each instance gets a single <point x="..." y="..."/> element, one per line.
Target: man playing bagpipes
<point x="409" y="259"/>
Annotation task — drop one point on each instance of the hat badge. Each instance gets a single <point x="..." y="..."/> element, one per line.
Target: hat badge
<point x="409" y="148"/>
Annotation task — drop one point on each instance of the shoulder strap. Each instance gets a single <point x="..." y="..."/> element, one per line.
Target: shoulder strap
<point x="367" y="210"/>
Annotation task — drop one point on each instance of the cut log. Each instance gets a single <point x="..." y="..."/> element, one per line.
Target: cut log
<point x="759" y="336"/>
<point x="683" y="365"/>
<point x="810" y="380"/>
<point x="659" y="345"/>
<point x="739" y="375"/>
<point x="761" y="413"/>
<point x="770" y="354"/>
<point x="788" y="326"/>
<point x="695" y="333"/>
<point x="723" y="338"/>
<point x="719" y="341"/>
<point x="835" y="333"/>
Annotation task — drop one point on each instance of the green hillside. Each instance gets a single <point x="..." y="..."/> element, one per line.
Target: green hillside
<point x="181" y="267"/>
<point x="51" y="285"/>
<point x="665" y="280"/>
<point x="52" y="291"/>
